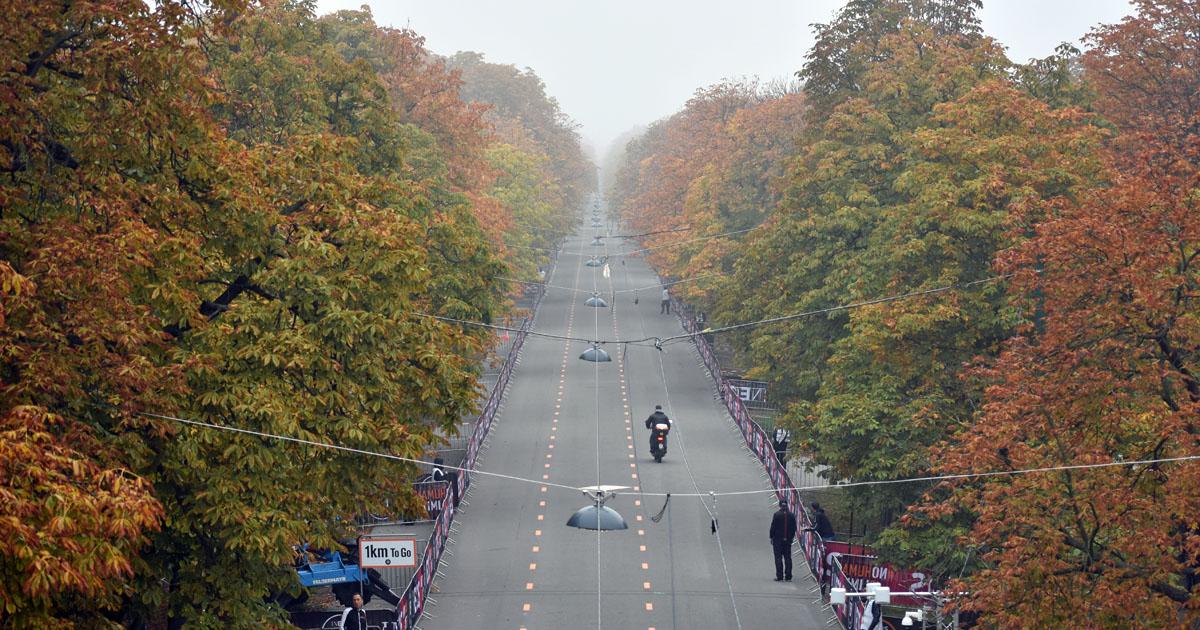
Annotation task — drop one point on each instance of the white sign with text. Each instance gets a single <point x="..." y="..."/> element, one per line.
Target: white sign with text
<point x="387" y="553"/>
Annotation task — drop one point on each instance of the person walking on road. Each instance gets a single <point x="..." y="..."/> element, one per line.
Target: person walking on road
<point x="354" y="617"/>
<point x="666" y="302"/>
<point x="783" y="532"/>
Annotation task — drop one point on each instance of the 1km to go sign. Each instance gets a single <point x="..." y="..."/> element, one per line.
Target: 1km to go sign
<point x="387" y="553"/>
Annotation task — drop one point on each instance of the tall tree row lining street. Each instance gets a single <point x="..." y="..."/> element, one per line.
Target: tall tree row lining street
<point x="253" y="252"/>
<point x="515" y="563"/>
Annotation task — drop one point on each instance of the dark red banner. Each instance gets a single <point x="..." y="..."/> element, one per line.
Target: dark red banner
<point x="861" y="566"/>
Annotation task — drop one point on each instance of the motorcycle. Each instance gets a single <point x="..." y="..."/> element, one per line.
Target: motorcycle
<point x="658" y="440"/>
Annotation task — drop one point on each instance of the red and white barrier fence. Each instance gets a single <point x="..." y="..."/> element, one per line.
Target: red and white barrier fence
<point x="826" y="573"/>
<point x="412" y="604"/>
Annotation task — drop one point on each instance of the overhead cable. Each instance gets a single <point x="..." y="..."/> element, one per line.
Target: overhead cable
<point x="832" y="486"/>
<point x="348" y="449"/>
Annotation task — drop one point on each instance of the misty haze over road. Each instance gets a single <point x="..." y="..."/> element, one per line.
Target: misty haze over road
<point x="614" y="66"/>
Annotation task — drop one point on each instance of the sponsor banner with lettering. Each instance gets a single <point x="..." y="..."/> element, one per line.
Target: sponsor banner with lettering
<point x="752" y="393"/>
<point x="861" y="566"/>
<point x="851" y="613"/>
<point x="435" y="494"/>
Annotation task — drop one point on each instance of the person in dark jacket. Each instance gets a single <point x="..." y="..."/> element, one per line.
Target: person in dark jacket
<point x="658" y="417"/>
<point x="821" y="522"/>
<point x="783" y="532"/>
<point x="354" y="617"/>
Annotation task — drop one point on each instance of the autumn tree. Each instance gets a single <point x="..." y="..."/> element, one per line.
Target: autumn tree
<point x="95" y="98"/>
<point x="844" y="49"/>
<point x="709" y="170"/>
<point x="907" y="186"/>
<point x="216" y="216"/>
<point x="526" y="117"/>
<point x="526" y="184"/>
<point x="1104" y="369"/>
<point x="354" y="228"/>
<point x="423" y="91"/>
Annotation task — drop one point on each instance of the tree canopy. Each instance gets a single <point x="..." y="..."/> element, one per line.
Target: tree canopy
<point x="1025" y="239"/>
<point x="236" y="215"/>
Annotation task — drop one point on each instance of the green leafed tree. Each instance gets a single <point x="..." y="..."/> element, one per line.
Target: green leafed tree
<point x="908" y="186"/>
<point x="217" y="216"/>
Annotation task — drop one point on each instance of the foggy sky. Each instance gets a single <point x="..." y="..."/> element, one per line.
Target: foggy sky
<point x="617" y="64"/>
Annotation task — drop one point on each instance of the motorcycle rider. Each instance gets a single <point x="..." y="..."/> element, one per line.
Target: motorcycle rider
<point x="656" y="418"/>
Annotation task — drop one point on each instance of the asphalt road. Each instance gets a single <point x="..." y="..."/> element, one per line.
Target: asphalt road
<point x="515" y="564"/>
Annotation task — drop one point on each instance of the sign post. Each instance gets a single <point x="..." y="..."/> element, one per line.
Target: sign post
<point x="387" y="553"/>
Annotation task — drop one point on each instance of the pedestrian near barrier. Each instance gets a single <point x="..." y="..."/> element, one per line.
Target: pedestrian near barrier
<point x="821" y="523"/>
<point x="783" y="532"/>
<point x="354" y="617"/>
<point x="780" y="442"/>
<point x="437" y="474"/>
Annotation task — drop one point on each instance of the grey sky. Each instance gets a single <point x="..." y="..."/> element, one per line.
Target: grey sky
<point x="616" y="64"/>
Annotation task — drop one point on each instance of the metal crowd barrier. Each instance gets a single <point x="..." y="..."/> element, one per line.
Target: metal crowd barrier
<point x="826" y="573"/>
<point x="412" y="604"/>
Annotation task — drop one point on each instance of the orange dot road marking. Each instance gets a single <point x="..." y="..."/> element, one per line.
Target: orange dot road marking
<point x="533" y="566"/>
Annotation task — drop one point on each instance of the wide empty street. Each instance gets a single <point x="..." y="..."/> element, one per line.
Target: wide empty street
<point x="566" y="422"/>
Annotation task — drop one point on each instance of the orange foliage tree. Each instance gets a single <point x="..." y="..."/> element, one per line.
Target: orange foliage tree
<point x="1105" y="370"/>
<point x="231" y="213"/>
<point x="708" y="170"/>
